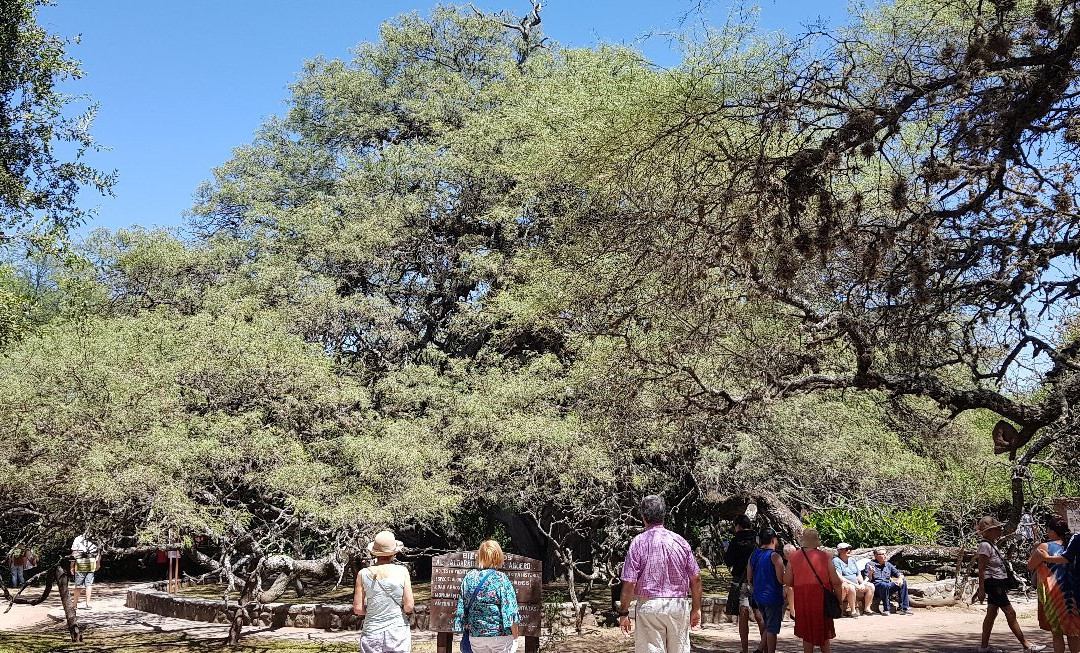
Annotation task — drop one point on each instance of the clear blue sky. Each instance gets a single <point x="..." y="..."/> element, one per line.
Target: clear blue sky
<point x="181" y="83"/>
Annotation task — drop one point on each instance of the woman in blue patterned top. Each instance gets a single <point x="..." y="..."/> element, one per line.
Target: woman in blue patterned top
<point x="492" y="616"/>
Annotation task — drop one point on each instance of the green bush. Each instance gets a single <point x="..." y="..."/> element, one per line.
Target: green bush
<point x="863" y="526"/>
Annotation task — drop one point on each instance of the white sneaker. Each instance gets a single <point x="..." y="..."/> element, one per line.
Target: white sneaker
<point x="1035" y="648"/>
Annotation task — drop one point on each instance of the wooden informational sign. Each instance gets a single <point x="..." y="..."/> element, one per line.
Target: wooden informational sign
<point x="526" y="574"/>
<point x="1069" y="508"/>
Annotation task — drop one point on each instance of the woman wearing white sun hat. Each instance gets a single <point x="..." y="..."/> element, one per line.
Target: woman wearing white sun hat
<point x="383" y="596"/>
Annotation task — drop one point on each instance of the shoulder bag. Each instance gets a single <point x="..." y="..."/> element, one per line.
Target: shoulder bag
<point x="830" y="603"/>
<point x="1011" y="582"/>
<point x="466" y="645"/>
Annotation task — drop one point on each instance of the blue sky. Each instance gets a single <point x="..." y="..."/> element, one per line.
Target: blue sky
<point x="181" y="83"/>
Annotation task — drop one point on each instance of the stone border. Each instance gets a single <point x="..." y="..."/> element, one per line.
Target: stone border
<point x="325" y="616"/>
<point x="329" y="616"/>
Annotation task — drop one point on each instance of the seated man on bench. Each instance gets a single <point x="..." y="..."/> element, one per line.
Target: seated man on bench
<point x="887" y="581"/>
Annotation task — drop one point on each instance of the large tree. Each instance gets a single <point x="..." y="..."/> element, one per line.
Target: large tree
<point x="889" y="206"/>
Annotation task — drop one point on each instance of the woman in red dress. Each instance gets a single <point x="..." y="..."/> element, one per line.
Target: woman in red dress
<point x="812" y="625"/>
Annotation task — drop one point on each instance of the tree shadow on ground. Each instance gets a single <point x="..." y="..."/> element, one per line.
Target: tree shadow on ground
<point x="157" y="643"/>
<point x="890" y="640"/>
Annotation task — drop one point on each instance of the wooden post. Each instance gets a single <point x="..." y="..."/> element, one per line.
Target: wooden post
<point x="445" y="643"/>
<point x="532" y="644"/>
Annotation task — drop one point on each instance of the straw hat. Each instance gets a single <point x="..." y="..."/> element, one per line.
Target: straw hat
<point x="810" y="538"/>
<point x="385" y="544"/>
<point x="987" y="523"/>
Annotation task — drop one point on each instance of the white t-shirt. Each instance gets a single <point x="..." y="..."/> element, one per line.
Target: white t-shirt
<point x="995" y="566"/>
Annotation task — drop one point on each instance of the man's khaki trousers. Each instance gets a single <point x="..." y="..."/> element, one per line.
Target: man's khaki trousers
<point x="663" y="626"/>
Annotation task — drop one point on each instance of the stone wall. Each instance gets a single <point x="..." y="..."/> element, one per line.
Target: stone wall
<point x="154" y="600"/>
<point x="942" y="589"/>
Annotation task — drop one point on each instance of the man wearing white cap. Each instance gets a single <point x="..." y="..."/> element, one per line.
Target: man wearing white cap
<point x="857" y="590"/>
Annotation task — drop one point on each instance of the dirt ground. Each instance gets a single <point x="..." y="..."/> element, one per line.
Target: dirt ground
<point x="112" y="627"/>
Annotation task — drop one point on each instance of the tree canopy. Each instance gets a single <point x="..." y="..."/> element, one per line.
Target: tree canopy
<point x="474" y="282"/>
<point x="42" y="146"/>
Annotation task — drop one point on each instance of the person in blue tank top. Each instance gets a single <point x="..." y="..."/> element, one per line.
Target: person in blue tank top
<point x="766" y="574"/>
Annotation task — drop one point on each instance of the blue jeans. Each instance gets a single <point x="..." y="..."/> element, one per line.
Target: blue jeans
<point x="17" y="576"/>
<point x="883" y="591"/>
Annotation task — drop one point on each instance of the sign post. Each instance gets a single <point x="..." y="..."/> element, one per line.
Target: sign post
<point x="526" y="574"/>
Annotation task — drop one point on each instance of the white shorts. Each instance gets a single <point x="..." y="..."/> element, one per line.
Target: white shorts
<point x="502" y="644"/>
<point x="392" y="640"/>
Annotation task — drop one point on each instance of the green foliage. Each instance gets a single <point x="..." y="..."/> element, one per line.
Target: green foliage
<point x="14" y="306"/>
<point x="438" y="294"/>
<point x="199" y="424"/>
<point x="38" y="188"/>
<point x="865" y="526"/>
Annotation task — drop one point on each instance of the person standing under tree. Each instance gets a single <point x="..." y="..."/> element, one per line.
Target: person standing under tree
<point x="660" y="572"/>
<point x="383" y="596"/>
<point x="737" y="556"/>
<point x="20" y="559"/>
<point x="994" y="581"/>
<point x="766" y="574"/>
<point x="810" y="573"/>
<point x="487" y="609"/>
<point x="85" y="561"/>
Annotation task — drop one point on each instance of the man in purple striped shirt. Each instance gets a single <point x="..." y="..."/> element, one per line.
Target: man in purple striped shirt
<point x="660" y="572"/>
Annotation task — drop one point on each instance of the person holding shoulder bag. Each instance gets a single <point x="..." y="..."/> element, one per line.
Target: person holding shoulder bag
<point x="816" y="584"/>
<point x="383" y="596"/>
<point x="487" y="610"/>
<point x="995" y="581"/>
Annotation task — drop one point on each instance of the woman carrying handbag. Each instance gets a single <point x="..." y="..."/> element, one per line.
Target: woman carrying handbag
<point x="814" y="582"/>
<point x="487" y="610"/>
<point x="996" y="580"/>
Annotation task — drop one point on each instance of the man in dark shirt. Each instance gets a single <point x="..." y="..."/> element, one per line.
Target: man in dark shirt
<point x="737" y="556"/>
<point x="887" y="579"/>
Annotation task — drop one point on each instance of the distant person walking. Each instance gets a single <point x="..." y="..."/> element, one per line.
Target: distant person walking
<point x="488" y="607"/>
<point x="85" y="561"/>
<point x="383" y="596"/>
<point x="811" y="573"/>
<point x="994" y="585"/>
<point x="766" y="574"/>
<point x="20" y="559"/>
<point x="661" y="573"/>
<point x="1059" y="611"/>
<point x="737" y="557"/>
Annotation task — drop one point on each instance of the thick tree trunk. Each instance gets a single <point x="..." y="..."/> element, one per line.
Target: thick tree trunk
<point x="914" y="552"/>
<point x="50" y="578"/>
<point x="770" y="509"/>
<point x="75" y="629"/>
<point x="289" y="570"/>
<point x="247" y="596"/>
